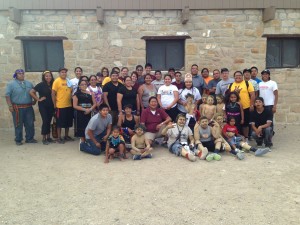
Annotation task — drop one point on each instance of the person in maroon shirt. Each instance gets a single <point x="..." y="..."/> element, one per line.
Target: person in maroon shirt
<point x="178" y="81"/>
<point x="154" y="119"/>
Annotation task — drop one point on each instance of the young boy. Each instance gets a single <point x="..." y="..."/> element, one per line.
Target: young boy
<point x="220" y="104"/>
<point x="140" y="146"/>
<point x="209" y="109"/>
<point x="115" y="145"/>
<point x="230" y="132"/>
<point x="192" y="115"/>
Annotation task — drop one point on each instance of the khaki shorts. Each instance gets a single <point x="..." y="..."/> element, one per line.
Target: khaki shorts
<point x="152" y="136"/>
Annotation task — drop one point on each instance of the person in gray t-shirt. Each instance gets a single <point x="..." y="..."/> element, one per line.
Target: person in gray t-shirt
<point x="222" y="86"/>
<point x="198" y="81"/>
<point x="97" y="132"/>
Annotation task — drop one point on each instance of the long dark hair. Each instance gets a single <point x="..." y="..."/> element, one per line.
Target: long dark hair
<point x="43" y="77"/>
<point x="227" y="97"/>
<point x="80" y="81"/>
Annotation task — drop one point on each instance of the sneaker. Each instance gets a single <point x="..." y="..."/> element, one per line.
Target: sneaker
<point x="209" y="157"/>
<point x="137" y="157"/>
<point x="149" y="156"/>
<point x="261" y="151"/>
<point x="259" y="144"/>
<point x="50" y="140"/>
<point x="19" y="143"/>
<point x="45" y="142"/>
<point x="32" y="141"/>
<point x="270" y="145"/>
<point x="68" y="138"/>
<point x="217" y="157"/>
<point x="60" y="141"/>
<point x="202" y="154"/>
<point x="240" y="155"/>
<point x="164" y="144"/>
<point x="190" y="156"/>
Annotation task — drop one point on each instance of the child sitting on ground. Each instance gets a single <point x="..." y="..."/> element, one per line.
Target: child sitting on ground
<point x="220" y="104"/>
<point x="209" y="109"/>
<point x="115" y="145"/>
<point x="231" y="134"/>
<point x="217" y="126"/>
<point x="192" y="115"/>
<point x="140" y="146"/>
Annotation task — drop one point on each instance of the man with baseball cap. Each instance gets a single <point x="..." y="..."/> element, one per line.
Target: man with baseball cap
<point x="268" y="90"/>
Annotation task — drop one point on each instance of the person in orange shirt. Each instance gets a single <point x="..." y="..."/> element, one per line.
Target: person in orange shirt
<point x="206" y="78"/>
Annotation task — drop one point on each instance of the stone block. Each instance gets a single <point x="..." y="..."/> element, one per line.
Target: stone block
<point x="276" y="23"/>
<point x="159" y="13"/>
<point x="55" y="18"/>
<point x="145" y="13"/>
<point x="191" y="49"/>
<point x="133" y="13"/>
<point x="68" y="45"/>
<point x="152" y="22"/>
<point x="120" y="13"/>
<point x="200" y="12"/>
<point x="280" y="117"/>
<point x="49" y="26"/>
<point x="171" y="13"/>
<point x="239" y="60"/>
<point x="254" y="50"/>
<point x="28" y="18"/>
<point x="234" y="12"/>
<point x="288" y="23"/>
<point x="293" y="118"/>
<point x="49" y="12"/>
<point x="3" y="59"/>
<point x="295" y="15"/>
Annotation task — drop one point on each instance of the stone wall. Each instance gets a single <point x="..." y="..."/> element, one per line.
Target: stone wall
<point x="219" y="38"/>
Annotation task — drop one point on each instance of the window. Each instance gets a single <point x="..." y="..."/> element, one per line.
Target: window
<point x="164" y="54"/>
<point x="40" y="55"/>
<point x="283" y="52"/>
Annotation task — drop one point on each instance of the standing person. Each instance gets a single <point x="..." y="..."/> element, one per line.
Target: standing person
<point x="168" y="96"/>
<point x="268" y="90"/>
<point x="99" y="79"/>
<point x="247" y="77"/>
<point x="127" y="95"/>
<point x="222" y="85"/>
<point x="261" y="121"/>
<point x="198" y="81"/>
<point x="123" y="73"/>
<point x="20" y="104"/>
<point x="134" y="77"/>
<point x="110" y="91"/>
<point x="247" y="96"/>
<point x="105" y="72"/>
<point x="78" y="73"/>
<point x="158" y="82"/>
<point x="254" y="72"/>
<point x="61" y="97"/>
<point x="97" y="132"/>
<point x="189" y="89"/>
<point x="212" y="84"/>
<point x="154" y="119"/>
<point x="205" y="75"/>
<point x="178" y="80"/>
<point x="146" y="91"/>
<point x="148" y="69"/>
<point x="45" y="104"/>
<point x="171" y="71"/>
<point x="140" y="69"/>
<point x="84" y="104"/>
<point x="95" y="90"/>
<point x="108" y="79"/>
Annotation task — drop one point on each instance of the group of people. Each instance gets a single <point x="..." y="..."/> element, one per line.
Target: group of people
<point x="194" y="115"/>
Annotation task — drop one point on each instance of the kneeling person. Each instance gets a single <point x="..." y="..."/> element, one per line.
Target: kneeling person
<point x="140" y="145"/>
<point x="178" y="135"/>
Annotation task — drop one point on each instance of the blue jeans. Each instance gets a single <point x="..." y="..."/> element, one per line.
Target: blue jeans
<point x="26" y="119"/>
<point x="235" y="140"/>
<point x="267" y="134"/>
<point x="89" y="146"/>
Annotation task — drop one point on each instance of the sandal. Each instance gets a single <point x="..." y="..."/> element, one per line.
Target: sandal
<point x="50" y="140"/>
<point x="60" y="141"/>
<point x="45" y="142"/>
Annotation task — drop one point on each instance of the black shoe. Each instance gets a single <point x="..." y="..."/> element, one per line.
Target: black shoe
<point x="60" y="141"/>
<point x="45" y="142"/>
<point x="19" y="143"/>
<point x="270" y="145"/>
<point x="32" y="141"/>
<point x="259" y="143"/>
<point x="50" y="140"/>
<point x="68" y="138"/>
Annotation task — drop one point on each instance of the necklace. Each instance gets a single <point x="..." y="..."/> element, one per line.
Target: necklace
<point x="232" y="105"/>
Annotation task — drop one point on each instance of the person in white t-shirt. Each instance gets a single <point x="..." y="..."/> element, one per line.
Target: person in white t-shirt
<point x="78" y="73"/>
<point x="167" y="97"/>
<point x="268" y="90"/>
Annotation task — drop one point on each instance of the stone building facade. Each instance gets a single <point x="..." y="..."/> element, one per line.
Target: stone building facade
<point x="219" y="38"/>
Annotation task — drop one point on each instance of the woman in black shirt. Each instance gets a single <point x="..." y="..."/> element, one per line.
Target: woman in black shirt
<point x="45" y="103"/>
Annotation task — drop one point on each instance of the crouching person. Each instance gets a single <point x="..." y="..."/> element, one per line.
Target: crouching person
<point x="115" y="146"/>
<point x="178" y="135"/>
<point x="97" y="132"/>
<point x="140" y="146"/>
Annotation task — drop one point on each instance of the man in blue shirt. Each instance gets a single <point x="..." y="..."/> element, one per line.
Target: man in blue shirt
<point x="20" y="104"/>
<point x="254" y="72"/>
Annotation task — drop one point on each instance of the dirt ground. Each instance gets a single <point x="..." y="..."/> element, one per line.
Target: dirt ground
<point x="58" y="184"/>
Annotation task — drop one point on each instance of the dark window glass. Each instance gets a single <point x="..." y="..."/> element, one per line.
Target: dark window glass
<point x="283" y="53"/>
<point x="163" y="54"/>
<point x="43" y="55"/>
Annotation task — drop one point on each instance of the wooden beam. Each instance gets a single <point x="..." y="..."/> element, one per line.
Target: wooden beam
<point x="185" y="15"/>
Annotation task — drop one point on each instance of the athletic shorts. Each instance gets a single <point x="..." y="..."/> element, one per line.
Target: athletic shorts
<point x="246" y="117"/>
<point x="64" y="117"/>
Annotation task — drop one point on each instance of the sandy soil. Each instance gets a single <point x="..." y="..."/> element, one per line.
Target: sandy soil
<point x="58" y="184"/>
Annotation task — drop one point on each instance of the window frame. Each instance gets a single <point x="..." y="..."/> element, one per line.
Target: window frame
<point x="282" y="39"/>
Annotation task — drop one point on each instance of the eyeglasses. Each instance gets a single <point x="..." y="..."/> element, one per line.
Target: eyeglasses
<point x="83" y="85"/>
